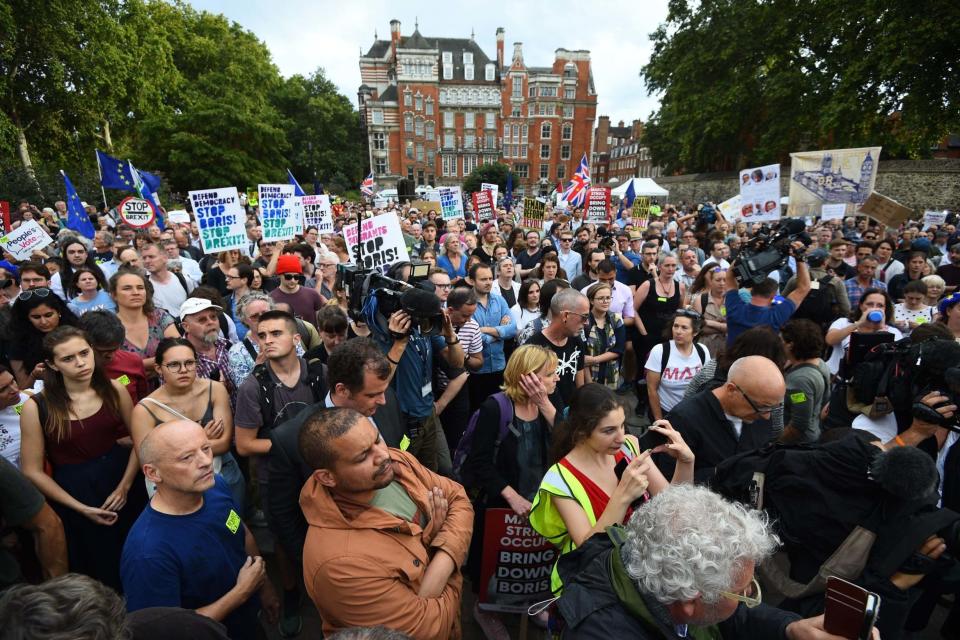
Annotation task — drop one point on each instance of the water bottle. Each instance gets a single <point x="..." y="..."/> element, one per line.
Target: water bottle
<point x="875" y="316"/>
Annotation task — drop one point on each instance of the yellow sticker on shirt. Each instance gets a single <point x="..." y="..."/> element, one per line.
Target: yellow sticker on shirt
<point x="798" y="397"/>
<point x="404" y="443"/>
<point x="661" y="299"/>
<point x="233" y="521"/>
<point x="124" y="379"/>
<point x="18" y="409"/>
<point x="723" y="311"/>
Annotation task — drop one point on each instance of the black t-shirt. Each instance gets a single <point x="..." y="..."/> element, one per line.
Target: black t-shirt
<point x="637" y="276"/>
<point x="527" y="261"/>
<point x="842" y="271"/>
<point x="20" y="502"/>
<point x="570" y="360"/>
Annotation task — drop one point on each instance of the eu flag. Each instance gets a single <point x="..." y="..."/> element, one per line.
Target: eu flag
<point x="631" y="194"/>
<point x="77" y="218"/>
<point x="117" y="174"/>
<point x="297" y="189"/>
<point x="508" y="195"/>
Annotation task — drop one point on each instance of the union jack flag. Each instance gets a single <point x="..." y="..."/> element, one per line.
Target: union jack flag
<point x="576" y="192"/>
<point x="368" y="185"/>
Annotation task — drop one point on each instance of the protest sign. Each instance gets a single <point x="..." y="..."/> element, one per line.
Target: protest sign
<point x="931" y="218"/>
<point x="178" y="216"/>
<point x="252" y="197"/>
<point x="640" y="212"/>
<point x="425" y="206"/>
<point x="760" y="193"/>
<point x="483" y="205"/>
<point x="137" y="212"/>
<point x="5" y="212"/>
<point x="317" y="213"/>
<point x="280" y="211"/>
<point x="885" y="210"/>
<point x="451" y="202"/>
<point x="220" y="219"/>
<point x="533" y="212"/>
<point x="381" y="242"/>
<point x="833" y="211"/>
<point x="598" y="205"/>
<point x="730" y="209"/>
<point x="494" y="190"/>
<point x="516" y="563"/>
<point x="25" y="239"/>
<point x="834" y="176"/>
<point x="561" y="204"/>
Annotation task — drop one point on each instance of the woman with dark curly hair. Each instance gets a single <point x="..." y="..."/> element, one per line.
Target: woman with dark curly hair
<point x="35" y="313"/>
<point x="808" y="381"/>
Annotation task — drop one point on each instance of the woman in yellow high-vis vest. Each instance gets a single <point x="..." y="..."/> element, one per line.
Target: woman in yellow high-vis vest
<point x="585" y="491"/>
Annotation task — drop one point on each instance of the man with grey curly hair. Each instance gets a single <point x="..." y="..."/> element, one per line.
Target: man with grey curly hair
<point x="682" y="567"/>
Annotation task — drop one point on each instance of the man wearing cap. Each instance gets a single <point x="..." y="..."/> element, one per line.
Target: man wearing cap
<point x="200" y="319"/>
<point x="304" y="302"/>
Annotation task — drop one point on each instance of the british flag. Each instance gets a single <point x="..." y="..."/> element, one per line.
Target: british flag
<point x="368" y="185"/>
<point x="576" y="192"/>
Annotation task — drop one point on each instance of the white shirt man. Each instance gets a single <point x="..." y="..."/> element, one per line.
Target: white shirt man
<point x="170" y="290"/>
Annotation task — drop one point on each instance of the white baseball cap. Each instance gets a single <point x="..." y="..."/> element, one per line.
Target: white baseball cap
<point x="191" y="306"/>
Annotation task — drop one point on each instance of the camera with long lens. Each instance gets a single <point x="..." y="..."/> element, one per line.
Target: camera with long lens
<point x="767" y="251"/>
<point x="413" y="295"/>
<point x="606" y="243"/>
<point x="947" y="385"/>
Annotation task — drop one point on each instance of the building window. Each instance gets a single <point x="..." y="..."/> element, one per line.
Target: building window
<point x="490" y="159"/>
<point x="545" y="152"/>
<point x="448" y="141"/>
<point x="469" y="140"/>
<point x="410" y="173"/>
<point x="431" y="158"/>
<point x="490" y="140"/>
<point x="469" y="120"/>
<point x="418" y="127"/>
<point x="408" y="122"/>
<point x="522" y="170"/>
<point x="447" y="57"/>
<point x="570" y="71"/>
<point x="379" y="141"/>
<point x="418" y="103"/>
<point x="544" y="171"/>
<point x="448" y="72"/>
<point x="523" y="135"/>
<point x="567" y="111"/>
<point x="409" y="149"/>
<point x="429" y="106"/>
<point x="561" y="171"/>
<point x="447" y="163"/>
<point x="448" y="119"/>
<point x="420" y="178"/>
<point x="548" y="92"/>
<point x="407" y="98"/>
<point x="378" y="116"/>
<point x="468" y="72"/>
<point x="533" y="92"/>
<point x="567" y="132"/>
<point x="379" y="166"/>
<point x="517" y="86"/>
<point x="430" y="179"/>
<point x="419" y="152"/>
<point x="545" y="130"/>
<point x="467" y="57"/>
<point x="469" y="164"/>
<point x="429" y="129"/>
<point x="489" y="72"/>
<point x="569" y="93"/>
<point x="515" y="112"/>
<point x="491" y="120"/>
<point x="565" y="152"/>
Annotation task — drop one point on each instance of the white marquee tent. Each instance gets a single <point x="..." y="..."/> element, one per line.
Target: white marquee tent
<point x="641" y="187"/>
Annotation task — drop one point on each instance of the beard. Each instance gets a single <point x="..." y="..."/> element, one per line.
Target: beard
<point x="210" y="338"/>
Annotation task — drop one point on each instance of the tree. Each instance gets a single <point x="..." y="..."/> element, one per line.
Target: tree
<point x="494" y="172"/>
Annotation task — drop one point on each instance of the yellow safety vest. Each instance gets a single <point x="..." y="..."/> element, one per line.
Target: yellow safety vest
<point x="545" y="518"/>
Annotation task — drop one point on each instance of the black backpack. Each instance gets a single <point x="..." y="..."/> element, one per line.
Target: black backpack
<point x="820" y="304"/>
<point x="266" y="387"/>
<point x="665" y="358"/>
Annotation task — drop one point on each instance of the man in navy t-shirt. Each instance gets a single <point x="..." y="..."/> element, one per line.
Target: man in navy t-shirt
<point x="761" y="310"/>
<point x="189" y="547"/>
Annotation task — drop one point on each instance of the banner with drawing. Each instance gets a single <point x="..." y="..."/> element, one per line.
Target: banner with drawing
<point x="836" y="176"/>
<point x="760" y="194"/>
<point x="381" y="242"/>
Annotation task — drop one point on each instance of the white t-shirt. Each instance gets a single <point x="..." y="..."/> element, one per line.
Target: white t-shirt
<point x="171" y="295"/>
<point x="678" y="374"/>
<point x="10" y="431"/>
<point x="840" y="349"/>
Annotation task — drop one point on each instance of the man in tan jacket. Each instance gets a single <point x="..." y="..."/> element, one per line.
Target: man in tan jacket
<point x="386" y="536"/>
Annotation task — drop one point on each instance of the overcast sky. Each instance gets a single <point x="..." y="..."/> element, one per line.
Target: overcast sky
<point x="305" y="34"/>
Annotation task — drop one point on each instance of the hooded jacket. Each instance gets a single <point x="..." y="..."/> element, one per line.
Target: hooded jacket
<point x="364" y="567"/>
<point x="600" y="601"/>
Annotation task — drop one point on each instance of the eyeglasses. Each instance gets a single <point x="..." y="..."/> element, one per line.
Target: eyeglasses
<point x="443" y="286"/>
<point x="186" y="365"/>
<point x="584" y="317"/>
<point x="753" y="405"/>
<point x="41" y="292"/>
<point x="751" y="598"/>
<point x="602" y="299"/>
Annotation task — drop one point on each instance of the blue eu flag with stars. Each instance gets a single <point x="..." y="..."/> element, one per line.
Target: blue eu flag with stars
<point x="77" y="218"/>
<point x="117" y="174"/>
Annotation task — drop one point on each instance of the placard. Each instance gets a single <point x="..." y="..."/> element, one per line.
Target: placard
<point x="516" y="564"/>
<point x="178" y="216"/>
<point x="730" y="209"/>
<point x="598" y="205"/>
<point x="25" y="239"/>
<point x="5" y="212"/>
<point x="252" y="198"/>
<point x="451" y="202"/>
<point x="317" y="213"/>
<point x="533" y="213"/>
<point x="483" y="205"/>
<point x="494" y="190"/>
<point x="220" y="219"/>
<point x="425" y="206"/>
<point x="885" y="210"/>
<point x="833" y="211"/>
<point x="382" y="239"/>
<point x="931" y="218"/>
<point x="137" y="212"/>
<point x="833" y="176"/>
<point x="280" y="212"/>
<point x="760" y="193"/>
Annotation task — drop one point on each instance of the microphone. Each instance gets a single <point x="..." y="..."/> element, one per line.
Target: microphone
<point x="906" y="472"/>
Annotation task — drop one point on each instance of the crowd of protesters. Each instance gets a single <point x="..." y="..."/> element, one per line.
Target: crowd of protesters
<point x="602" y="381"/>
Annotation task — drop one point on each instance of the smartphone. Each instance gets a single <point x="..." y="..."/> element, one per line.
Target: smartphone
<point x="849" y="611"/>
<point x="653" y="439"/>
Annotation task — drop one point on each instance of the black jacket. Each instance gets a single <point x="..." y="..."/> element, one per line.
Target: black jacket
<point x="288" y="472"/>
<point x="711" y="437"/>
<point x="593" y="609"/>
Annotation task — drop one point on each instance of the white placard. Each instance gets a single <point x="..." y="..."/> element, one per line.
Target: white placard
<point x="317" y="213"/>
<point x="833" y="211"/>
<point x="493" y="188"/>
<point x="220" y="219"/>
<point x="451" y="202"/>
<point x="25" y="239"/>
<point x="760" y="193"/>
<point x="931" y="218"/>
<point x="730" y="209"/>
<point x="179" y="216"/>
<point x="383" y="243"/>
<point x="280" y="212"/>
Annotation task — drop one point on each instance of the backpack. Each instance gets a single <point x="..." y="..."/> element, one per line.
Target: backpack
<point x="819" y="305"/>
<point x="266" y="387"/>
<point x="466" y="440"/>
<point x="665" y="358"/>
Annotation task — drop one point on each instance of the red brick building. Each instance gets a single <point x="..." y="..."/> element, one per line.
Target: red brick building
<point x="619" y="153"/>
<point x="433" y="109"/>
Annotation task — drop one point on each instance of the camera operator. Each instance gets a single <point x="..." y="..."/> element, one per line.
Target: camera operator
<point x="761" y="310"/>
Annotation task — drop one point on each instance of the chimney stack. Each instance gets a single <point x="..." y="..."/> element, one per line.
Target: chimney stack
<point x="500" y="35"/>
<point x="603" y="130"/>
<point x="518" y="52"/>
<point x="394" y="35"/>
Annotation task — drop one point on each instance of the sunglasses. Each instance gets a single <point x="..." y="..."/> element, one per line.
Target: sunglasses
<point x="41" y="292"/>
<point x="688" y="313"/>
<point x="291" y="276"/>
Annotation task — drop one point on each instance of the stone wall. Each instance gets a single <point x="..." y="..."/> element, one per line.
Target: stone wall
<point x="918" y="184"/>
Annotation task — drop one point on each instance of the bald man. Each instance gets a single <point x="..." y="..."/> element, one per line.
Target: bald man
<point x="189" y="547"/>
<point x="734" y="417"/>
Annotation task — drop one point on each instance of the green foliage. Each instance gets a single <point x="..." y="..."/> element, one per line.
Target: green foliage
<point x="494" y="173"/>
<point x="746" y="83"/>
